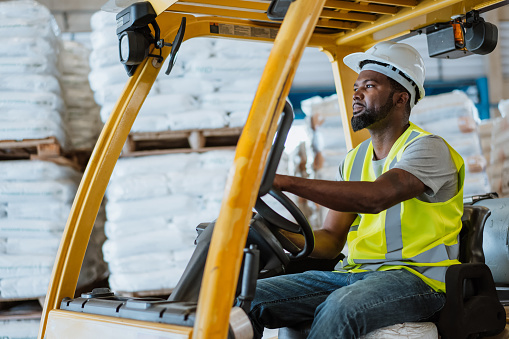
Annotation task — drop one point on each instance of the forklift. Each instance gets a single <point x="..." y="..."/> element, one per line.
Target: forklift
<point x="150" y="32"/>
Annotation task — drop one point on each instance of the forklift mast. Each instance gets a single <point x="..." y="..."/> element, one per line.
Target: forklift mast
<point x="336" y="27"/>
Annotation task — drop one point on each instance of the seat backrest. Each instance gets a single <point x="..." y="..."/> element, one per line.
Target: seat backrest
<point x="471" y="235"/>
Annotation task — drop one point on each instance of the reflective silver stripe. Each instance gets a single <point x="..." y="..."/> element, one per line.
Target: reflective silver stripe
<point x="394" y="162"/>
<point x="393" y="233"/>
<point x="358" y="162"/>
<point x="438" y="253"/>
<point x="353" y="228"/>
<point x="370" y="267"/>
<point x="393" y="236"/>
<point x="432" y="272"/>
<point x="412" y="136"/>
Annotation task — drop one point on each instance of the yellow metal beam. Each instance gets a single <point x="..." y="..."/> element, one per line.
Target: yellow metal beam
<point x="345" y="25"/>
<point x="408" y="16"/>
<point x="367" y="8"/>
<point x="402" y="3"/>
<point x="231" y="228"/>
<point x="161" y="5"/>
<point x="344" y="78"/>
<point x="361" y="17"/>
<point x="261" y="17"/>
<point x="202" y="26"/>
<point x="220" y="12"/>
<point x="239" y="4"/>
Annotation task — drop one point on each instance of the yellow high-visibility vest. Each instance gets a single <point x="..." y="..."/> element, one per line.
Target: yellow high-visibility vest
<point x="418" y="236"/>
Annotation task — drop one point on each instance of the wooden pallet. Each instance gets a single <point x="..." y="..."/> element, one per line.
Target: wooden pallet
<point x="80" y="157"/>
<point x="23" y="308"/>
<point x="186" y="141"/>
<point x="36" y="149"/>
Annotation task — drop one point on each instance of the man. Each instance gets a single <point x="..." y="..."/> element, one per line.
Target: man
<point x="397" y="203"/>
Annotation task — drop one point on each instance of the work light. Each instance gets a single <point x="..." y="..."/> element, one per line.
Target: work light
<point x="135" y="37"/>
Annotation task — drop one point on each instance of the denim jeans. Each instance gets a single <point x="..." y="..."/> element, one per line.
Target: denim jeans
<point x="343" y="305"/>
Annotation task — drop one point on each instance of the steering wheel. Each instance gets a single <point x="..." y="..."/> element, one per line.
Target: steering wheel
<point x="275" y="219"/>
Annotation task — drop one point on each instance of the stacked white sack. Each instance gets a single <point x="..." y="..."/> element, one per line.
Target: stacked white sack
<point x="173" y="102"/>
<point x="453" y="116"/>
<point x="154" y="204"/>
<point x="22" y="328"/>
<point x="35" y="200"/>
<point x="82" y="117"/>
<point x="498" y="168"/>
<point x="235" y="67"/>
<point x="212" y="84"/>
<point x="30" y="98"/>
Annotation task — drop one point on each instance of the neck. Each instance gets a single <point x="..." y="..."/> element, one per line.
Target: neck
<point x="384" y="138"/>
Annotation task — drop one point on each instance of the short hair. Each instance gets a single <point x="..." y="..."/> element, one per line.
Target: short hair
<point x="395" y="86"/>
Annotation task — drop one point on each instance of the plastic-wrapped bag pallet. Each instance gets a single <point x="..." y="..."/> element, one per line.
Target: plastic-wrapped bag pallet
<point x="126" y="167"/>
<point x="82" y="116"/>
<point x="454" y="117"/>
<point x="35" y="201"/>
<point x="216" y="68"/>
<point x="222" y="75"/>
<point x="231" y="49"/>
<point x="165" y="278"/>
<point x="161" y="109"/>
<point x="31" y="82"/>
<point x="36" y="170"/>
<point x="28" y="66"/>
<point x="201" y="119"/>
<point x="498" y="169"/>
<point x="26" y="329"/>
<point x="154" y="204"/>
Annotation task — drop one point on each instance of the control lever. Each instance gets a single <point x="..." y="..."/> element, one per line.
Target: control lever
<point x="249" y="277"/>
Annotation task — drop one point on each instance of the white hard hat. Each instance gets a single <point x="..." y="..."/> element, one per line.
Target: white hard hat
<point x="401" y="56"/>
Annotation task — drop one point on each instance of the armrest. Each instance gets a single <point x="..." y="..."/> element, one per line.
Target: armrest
<point x="472" y="304"/>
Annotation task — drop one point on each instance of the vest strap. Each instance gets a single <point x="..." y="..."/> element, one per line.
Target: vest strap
<point x="436" y="254"/>
<point x="358" y="162"/>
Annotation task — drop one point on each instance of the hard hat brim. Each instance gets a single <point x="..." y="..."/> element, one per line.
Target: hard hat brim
<point x="354" y="60"/>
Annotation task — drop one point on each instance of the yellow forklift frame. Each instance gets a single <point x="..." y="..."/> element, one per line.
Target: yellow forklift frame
<point x="337" y="27"/>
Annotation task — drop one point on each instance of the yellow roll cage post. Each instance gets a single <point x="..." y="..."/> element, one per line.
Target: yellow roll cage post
<point x="337" y="27"/>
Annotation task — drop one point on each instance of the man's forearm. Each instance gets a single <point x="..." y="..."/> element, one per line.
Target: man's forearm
<point x="342" y="196"/>
<point x="392" y="187"/>
<point x="326" y="246"/>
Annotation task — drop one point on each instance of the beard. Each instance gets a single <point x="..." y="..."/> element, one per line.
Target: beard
<point x="371" y="116"/>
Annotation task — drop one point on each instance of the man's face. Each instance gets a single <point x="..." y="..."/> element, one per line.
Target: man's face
<point x="372" y="99"/>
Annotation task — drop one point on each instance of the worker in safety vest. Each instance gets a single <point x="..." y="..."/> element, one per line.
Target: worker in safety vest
<point x="397" y="204"/>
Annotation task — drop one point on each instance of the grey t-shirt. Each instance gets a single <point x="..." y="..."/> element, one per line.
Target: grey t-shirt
<point x="428" y="159"/>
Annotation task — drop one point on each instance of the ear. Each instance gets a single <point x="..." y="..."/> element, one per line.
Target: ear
<point x="402" y="98"/>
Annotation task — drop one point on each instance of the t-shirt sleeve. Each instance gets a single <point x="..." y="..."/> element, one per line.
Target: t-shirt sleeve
<point x="339" y="175"/>
<point x="428" y="158"/>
